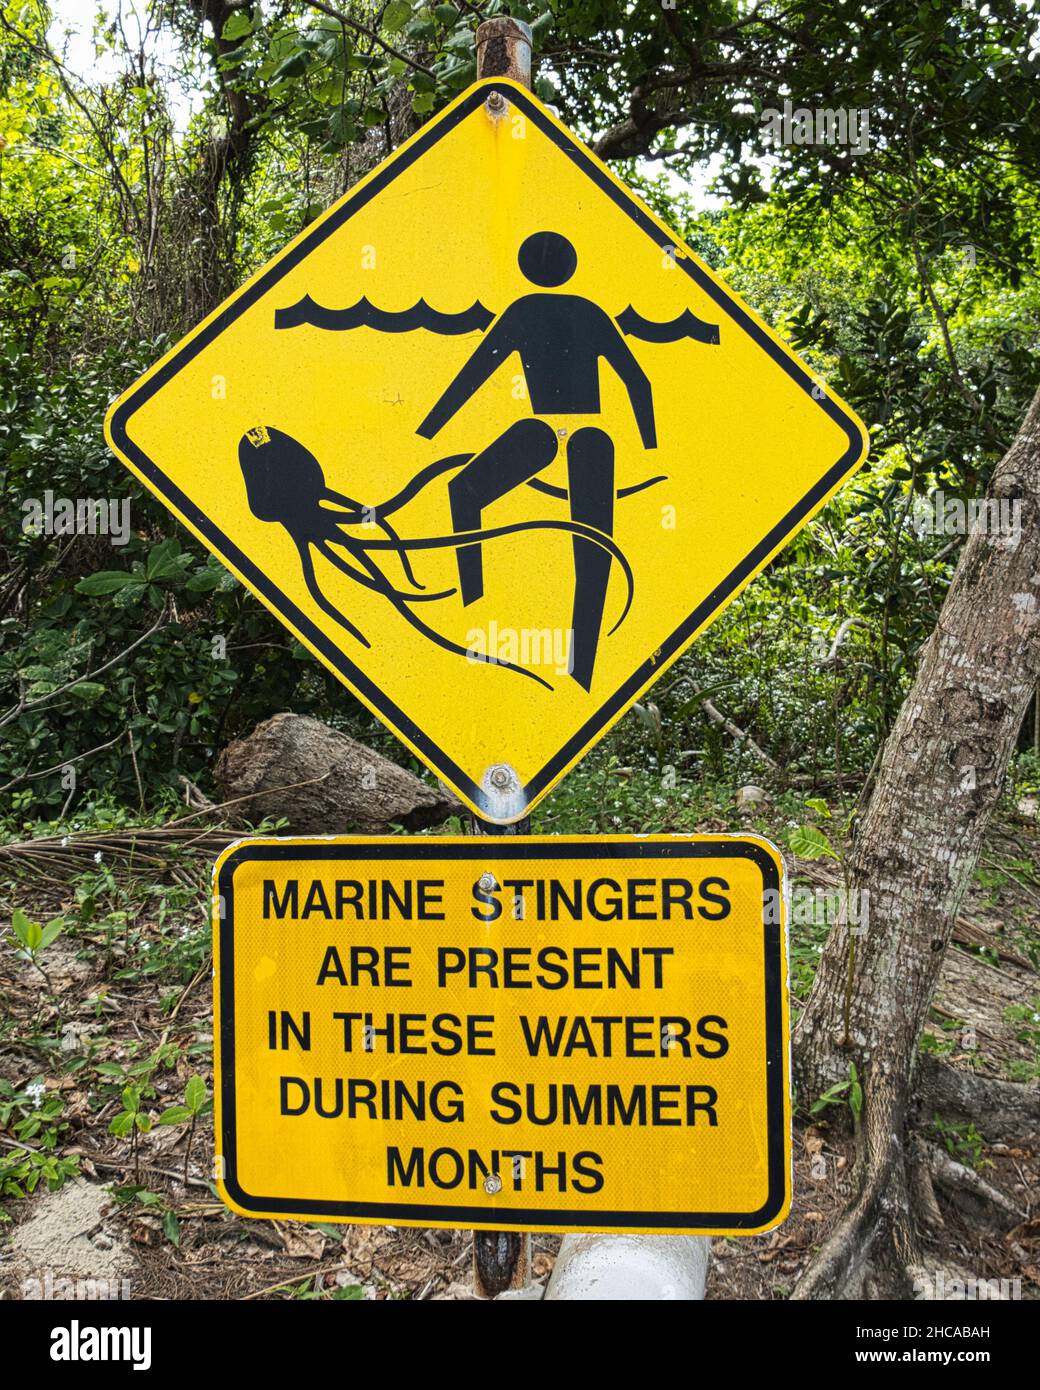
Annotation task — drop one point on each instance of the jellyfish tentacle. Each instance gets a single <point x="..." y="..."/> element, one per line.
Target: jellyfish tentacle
<point x="424" y="476"/>
<point x="314" y="589"/>
<point x="331" y="512"/>
<point x="445" y="642"/>
<point x="402" y="554"/>
<point x="359" y="515"/>
<point x="416" y="484"/>
<point x="324" y="541"/>
<point x="551" y="490"/>
<point x="574" y="528"/>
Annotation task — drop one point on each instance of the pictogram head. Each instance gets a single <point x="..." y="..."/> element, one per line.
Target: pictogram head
<point x="548" y="259"/>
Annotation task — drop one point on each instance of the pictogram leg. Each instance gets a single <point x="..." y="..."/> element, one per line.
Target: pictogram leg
<point x="522" y="451"/>
<point x="590" y="468"/>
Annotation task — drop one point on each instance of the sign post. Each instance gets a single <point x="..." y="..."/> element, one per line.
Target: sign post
<point x="502" y="1259"/>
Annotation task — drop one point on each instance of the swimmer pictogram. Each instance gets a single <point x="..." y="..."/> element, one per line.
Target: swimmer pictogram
<point x="561" y="340"/>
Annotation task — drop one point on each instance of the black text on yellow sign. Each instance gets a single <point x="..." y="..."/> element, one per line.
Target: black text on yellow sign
<point x="552" y="1034"/>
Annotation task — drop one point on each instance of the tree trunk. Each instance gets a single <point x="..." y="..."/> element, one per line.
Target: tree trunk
<point x="323" y="783"/>
<point x="941" y="774"/>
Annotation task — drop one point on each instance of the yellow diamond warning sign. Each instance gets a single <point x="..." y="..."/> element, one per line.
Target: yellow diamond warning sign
<point x="492" y="442"/>
<point x="513" y="1033"/>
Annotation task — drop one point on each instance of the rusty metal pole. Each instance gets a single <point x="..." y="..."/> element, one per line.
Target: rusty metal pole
<point x="502" y="1259"/>
<point x="504" y="49"/>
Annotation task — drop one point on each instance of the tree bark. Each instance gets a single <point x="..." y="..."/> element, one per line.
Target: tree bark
<point x="323" y="783"/>
<point x="941" y="774"/>
<point x="1008" y="1111"/>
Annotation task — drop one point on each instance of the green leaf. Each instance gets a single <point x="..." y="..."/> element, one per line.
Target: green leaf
<point x="856" y="1098"/>
<point x="126" y="1192"/>
<point x="342" y="128"/>
<point x="171" y="1228"/>
<point x="34" y="937"/>
<point x="829" y="1097"/>
<point x="807" y="842"/>
<point x="51" y="931"/>
<point x="20" y="924"/>
<point x="237" y="26"/>
<point x="163" y="560"/>
<point x="105" y="582"/>
<point x="396" y="16"/>
<point x="817" y="804"/>
<point x="131" y="1098"/>
<point x="293" y="66"/>
<point x="120" y="1125"/>
<point x="87" y="690"/>
<point x="176" y="1115"/>
<point x="195" y="1094"/>
<point x="421" y="29"/>
<point x="203" y="582"/>
<point x="131" y="595"/>
<point x="688" y="706"/>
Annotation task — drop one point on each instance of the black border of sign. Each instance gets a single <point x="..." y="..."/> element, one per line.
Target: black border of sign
<point x="525" y="1218"/>
<point x="338" y="660"/>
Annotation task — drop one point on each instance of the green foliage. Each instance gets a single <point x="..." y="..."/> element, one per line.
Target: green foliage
<point x="33" y="937"/>
<point x="962" y="1142"/>
<point x="807" y="842"/>
<point x="196" y="1102"/>
<point x="32" y="1113"/>
<point x="347" y="1293"/>
<point x="848" y="1092"/>
<point x="131" y="1118"/>
<point x="22" y="1171"/>
<point x="1025" y="1020"/>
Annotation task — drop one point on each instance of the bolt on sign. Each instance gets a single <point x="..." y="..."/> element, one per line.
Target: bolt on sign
<point x="511" y="1033"/>
<point x="492" y="442"/>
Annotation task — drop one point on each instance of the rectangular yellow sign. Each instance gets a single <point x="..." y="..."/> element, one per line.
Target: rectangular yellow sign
<point x="557" y="1034"/>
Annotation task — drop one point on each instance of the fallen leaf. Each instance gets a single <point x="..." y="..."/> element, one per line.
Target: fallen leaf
<point x="302" y="1242"/>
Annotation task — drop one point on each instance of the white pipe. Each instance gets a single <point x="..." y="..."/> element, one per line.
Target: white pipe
<point x="631" y="1269"/>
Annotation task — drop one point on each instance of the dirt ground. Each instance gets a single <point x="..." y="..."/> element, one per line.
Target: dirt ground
<point x="90" y="1238"/>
